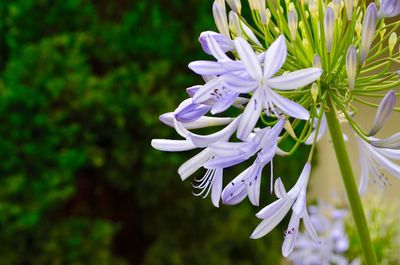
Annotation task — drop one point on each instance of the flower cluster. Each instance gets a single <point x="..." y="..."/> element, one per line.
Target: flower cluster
<point x="285" y="71"/>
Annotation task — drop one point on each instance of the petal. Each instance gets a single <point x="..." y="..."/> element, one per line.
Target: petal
<point x="238" y="84"/>
<point x="272" y="208"/>
<point x="191" y="112"/>
<point x="225" y="43"/>
<point x="290" y="239"/>
<point x="289" y="107"/>
<point x="207" y="68"/>
<point x="301" y="182"/>
<point x="253" y="181"/>
<point x="224" y="162"/>
<point x="172" y="145"/>
<point x="310" y="228"/>
<point x="216" y="187"/>
<point x="228" y="148"/>
<point x="249" y="58"/>
<point x="205" y="91"/>
<point x="250" y="116"/>
<point x="280" y="190"/>
<point x="235" y="191"/>
<point x="300" y="205"/>
<point x="220" y="19"/>
<point x="392" y="142"/>
<point x="206" y="140"/>
<point x="295" y="79"/>
<point x="275" y="57"/>
<point x="272" y="221"/>
<point x="207" y="122"/>
<point x="193" y="164"/>
<point x="216" y="50"/>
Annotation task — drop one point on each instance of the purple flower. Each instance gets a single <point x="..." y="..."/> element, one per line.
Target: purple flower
<point x="264" y="144"/>
<point x="372" y="160"/>
<point x="274" y="213"/>
<point x="260" y="80"/>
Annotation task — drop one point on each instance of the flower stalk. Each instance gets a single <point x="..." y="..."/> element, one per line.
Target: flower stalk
<point x="350" y="184"/>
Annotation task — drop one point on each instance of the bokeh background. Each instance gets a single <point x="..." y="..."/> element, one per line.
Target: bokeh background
<point x="82" y="84"/>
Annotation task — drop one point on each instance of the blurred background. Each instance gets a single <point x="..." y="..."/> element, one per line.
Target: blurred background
<point x="82" y="84"/>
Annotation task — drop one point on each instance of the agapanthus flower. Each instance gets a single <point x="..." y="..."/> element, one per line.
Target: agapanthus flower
<point x="329" y="223"/>
<point x="293" y="70"/>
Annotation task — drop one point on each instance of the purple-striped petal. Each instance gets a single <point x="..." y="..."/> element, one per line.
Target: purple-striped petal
<point x="250" y="116"/>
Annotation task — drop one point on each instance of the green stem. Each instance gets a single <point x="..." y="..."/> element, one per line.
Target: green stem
<point x="350" y="184"/>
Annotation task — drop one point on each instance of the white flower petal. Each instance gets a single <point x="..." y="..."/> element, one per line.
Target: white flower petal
<point x="275" y="57"/>
<point x="290" y="238"/>
<point x="205" y="140"/>
<point x="172" y="145"/>
<point x="280" y="190"/>
<point x="295" y="79"/>
<point x="310" y="228"/>
<point x="207" y="68"/>
<point x="194" y="163"/>
<point x="249" y="58"/>
<point x="204" y="93"/>
<point x="216" y="189"/>
<point x="289" y="107"/>
<point x="272" y="221"/>
<point x="250" y="116"/>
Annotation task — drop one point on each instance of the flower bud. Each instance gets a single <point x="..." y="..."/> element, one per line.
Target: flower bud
<point x="358" y="28"/>
<point x="389" y="8"/>
<point x="349" y="5"/>
<point x="235" y="5"/>
<point x="392" y="42"/>
<point x="368" y="31"/>
<point x="314" y="92"/>
<point x="317" y="61"/>
<point x="293" y="23"/>
<point x="264" y="16"/>
<point x="329" y="26"/>
<point x="351" y="66"/>
<point x="313" y="8"/>
<point x="220" y="17"/>
<point x="384" y="110"/>
<point x="337" y="5"/>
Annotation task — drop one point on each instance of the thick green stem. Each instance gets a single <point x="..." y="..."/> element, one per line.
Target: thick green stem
<point x="350" y="184"/>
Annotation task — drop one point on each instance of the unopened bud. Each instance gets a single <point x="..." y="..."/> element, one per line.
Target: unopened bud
<point x="349" y="5"/>
<point x="235" y="5"/>
<point x="329" y="27"/>
<point x="293" y="23"/>
<point x="383" y="113"/>
<point x="313" y="8"/>
<point x="392" y="42"/>
<point x="351" y="66"/>
<point x="314" y="92"/>
<point x="220" y="18"/>
<point x="317" y="61"/>
<point x="337" y="5"/>
<point x="358" y="28"/>
<point x="368" y="31"/>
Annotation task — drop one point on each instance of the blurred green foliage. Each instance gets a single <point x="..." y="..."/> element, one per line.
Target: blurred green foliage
<point x="82" y="85"/>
